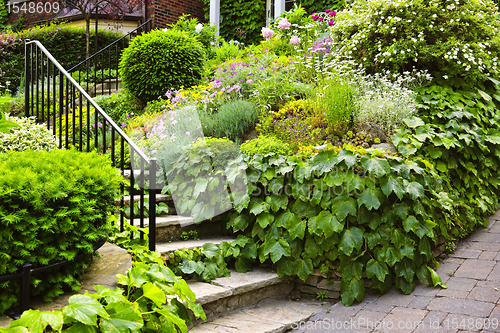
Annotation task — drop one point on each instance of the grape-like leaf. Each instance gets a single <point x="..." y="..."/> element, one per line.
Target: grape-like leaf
<point x="370" y="198"/>
<point x="351" y="239"/>
<point x="415" y="190"/>
<point x="411" y="224"/>
<point x="376" y="268"/>
<point x="393" y="184"/>
<point x="84" y="309"/>
<point x="343" y="206"/>
<point x="277" y="248"/>
<point x="376" y="166"/>
<point x="352" y="289"/>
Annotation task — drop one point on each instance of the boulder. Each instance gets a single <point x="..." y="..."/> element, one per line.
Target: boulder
<point x="371" y="131"/>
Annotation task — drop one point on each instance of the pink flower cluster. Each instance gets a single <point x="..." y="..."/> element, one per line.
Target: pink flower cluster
<point x="327" y="16"/>
<point x="284" y="24"/>
<point x="267" y="33"/>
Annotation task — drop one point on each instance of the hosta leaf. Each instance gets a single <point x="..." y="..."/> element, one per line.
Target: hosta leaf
<point x="410" y="224"/>
<point x="265" y="219"/>
<point x="376" y="166"/>
<point x="351" y="239"/>
<point x="376" y="268"/>
<point x="370" y="198"/>
<point x="277" y="249"/>
<point x="352" y="289"/>
<point x="415" y="190"/>
<point x="393" y="184"/>
<point x="84" y="309"/>
<point x="343" y="206"/>
<point x="37" y="321"/>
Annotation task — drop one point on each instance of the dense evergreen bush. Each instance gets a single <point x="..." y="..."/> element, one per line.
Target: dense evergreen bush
<point x="66" y="44"/>
<point x="53" y="207"/>
<point x="160" y="60"/>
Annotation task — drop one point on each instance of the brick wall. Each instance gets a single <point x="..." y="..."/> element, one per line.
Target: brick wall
<point x="164" y="12"/>
<point x="45" y="11"/>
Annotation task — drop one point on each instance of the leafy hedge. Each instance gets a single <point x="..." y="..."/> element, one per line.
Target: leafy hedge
<point x="66" y="44"/>
<point x="347" y="210"/>
<point x="53" y="206"/>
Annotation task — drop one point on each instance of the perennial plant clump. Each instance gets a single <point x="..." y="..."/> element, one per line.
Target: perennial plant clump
<point x="28" y="136"/>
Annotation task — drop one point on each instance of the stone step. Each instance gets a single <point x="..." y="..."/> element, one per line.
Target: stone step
<point x="170" y="247"/>
<point x="137" y="198"/>
<point x="271" y="317"/>
<point x="127" y="174"/>
<point x="170" y="227"/>
<point x="240" y="290"/>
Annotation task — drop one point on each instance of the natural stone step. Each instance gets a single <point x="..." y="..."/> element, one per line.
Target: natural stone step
<point x="170" y="227"/>
<point x="271" y="317"/>
<point x="238" y="291"/>
<point x="164" y="248"/>
<point x="137" y="198"/>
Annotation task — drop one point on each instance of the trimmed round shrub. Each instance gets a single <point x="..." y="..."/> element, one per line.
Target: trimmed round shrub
<point x="160" y="60"/>
<point x="29" y="136"/>
<point x="453" y="38"/>
<point x="53" y="207"/>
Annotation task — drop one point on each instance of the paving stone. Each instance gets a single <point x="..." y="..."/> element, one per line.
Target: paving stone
<point x="466" y="254"/>
<point x="495" y="228"/>
<point x="488" y="255"/>
<point x="420" y="302"/>
<point x="378" y="307"/>
<point x="489" y="284"/>
<point x="243" y="282"/>
<point x="485" y="246"/>
<point x="396" y="298"/>
<point x="206" y="292"/>
<point x="484" y="237"/>
<point x="369" y="319"/>
<point x="5" y="321"/>
<point x="406" y="319"/>
<point x="461" y="306"/>
<point x="425" y="290"/>
<point x="495" y="273"/>
<point x="475" y="269"/>
<point x="461" y="284"/>
<point x="432" y="323"/>
<point x="484" y="294"/>
<point x="463" y="322"/>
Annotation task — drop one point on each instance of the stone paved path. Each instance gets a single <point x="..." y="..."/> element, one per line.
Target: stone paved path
<point x="470" y="304"/>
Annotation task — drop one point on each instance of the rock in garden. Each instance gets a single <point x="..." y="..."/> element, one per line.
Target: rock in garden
<point x="371" y="131"/>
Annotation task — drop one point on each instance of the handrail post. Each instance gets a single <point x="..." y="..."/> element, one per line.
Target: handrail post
<point x="152" y="205"/>
<point x="25" y="288"/>
<point x="27" y="77"/>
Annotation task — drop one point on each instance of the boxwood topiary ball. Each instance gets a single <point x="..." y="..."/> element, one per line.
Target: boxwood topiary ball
<point x="159" y="60"/>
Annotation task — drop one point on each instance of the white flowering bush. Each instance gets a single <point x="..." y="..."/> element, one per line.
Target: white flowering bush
<point x="456" y="38"/>
<point x="383" y="101"/>
<point x="28" y="136"/>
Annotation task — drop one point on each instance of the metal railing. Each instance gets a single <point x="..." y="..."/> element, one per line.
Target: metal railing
<point x="98" y="74"/>
<point x="75" y="119"/>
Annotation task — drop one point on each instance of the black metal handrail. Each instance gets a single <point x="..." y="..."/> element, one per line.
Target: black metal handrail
<point x="27" y="270"/>
<point x="54" y="97"/>
<point x="104" y="62"/>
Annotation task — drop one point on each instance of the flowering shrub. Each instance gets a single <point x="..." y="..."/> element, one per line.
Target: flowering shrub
<point x="450" y="38"/>
<point x="28" y="136"/>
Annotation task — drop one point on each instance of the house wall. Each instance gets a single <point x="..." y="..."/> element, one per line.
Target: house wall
<point x="164" y="12"/>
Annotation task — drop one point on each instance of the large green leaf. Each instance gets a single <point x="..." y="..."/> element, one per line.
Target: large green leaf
<point x="210" y="250"/>
<point x="277" y="248"/>
<point x="258" y="206"/>
<point x="135" y="277"/>
<point x="79" y="328"/>
<point x="334" y="178"/>
<point x="370" y="198"/>
<point x="37" y="321"/>
<point x="324" y="162"/>
<point x="343" y="206"/>
<point x="297" y="229"/>
<point x="376" y="166"/>
<point x="200" y="186"/>
<point x="352" y="289"/>
<point x="325" y="224"/>
<point x="406" y="269"/>
<point x="376" y="268"/>
<point x="84" y="309"/>
<point x="351" y="239"/>
<point x="415" y="190"/>
<point x="174" y="318"/>
<point x="413" y="122"/>
<point x="277" y="201"/>
<point x="411" y="224"/>
<point x="154" y="293"/>
<point x="303" y="268"/>
<point x="348" y="157"/>
<point x="240" y="222"/>
<point x="265" y="219"/>
<point x="393" y="184"/>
